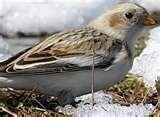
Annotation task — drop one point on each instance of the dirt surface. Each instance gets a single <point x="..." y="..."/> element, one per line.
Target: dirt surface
<point x="28" y="103"/>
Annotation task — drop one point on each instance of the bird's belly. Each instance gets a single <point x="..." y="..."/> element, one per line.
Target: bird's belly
<point x="79" y="82"/>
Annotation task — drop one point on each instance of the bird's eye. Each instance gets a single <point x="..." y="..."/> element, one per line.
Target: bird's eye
<point x="129" y="15"/>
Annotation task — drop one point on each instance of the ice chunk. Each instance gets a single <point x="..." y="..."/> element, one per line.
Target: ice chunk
<point x="148" y="63"/>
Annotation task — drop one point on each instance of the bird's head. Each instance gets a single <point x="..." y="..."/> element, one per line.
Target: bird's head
<point x="123" y="20"/>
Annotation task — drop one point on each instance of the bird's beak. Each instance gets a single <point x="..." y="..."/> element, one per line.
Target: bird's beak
<point x="150" y="21"/>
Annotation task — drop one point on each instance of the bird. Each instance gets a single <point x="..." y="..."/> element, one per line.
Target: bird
<point x="61" y="64"/>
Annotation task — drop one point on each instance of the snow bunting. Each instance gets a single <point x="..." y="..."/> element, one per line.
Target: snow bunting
<point x="61" y="64"/>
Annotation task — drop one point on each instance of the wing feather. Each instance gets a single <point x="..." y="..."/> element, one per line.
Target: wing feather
<point x="74" y="48"/>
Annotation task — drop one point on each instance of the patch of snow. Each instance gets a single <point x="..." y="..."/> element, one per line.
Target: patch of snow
<point x="148" y="63"/>
<point x="47" y="16"/>
<point x="105" y="108"/>
<point x="4" y="50"/>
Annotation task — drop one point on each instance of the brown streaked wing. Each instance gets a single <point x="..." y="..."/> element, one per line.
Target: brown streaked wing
<point x="62" y="45"/>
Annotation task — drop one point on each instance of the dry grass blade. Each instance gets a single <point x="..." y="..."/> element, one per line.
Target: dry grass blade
<point x="156" y="112"/>
<point x="93" y="72"/>
<point x="9" y="112"/>
<point x="30" y="93"/>
<point x="28" y="104"/>
<point x="132" y="91"/>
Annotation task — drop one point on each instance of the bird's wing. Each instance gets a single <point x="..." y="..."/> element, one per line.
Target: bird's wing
<point x="66" y="51"/>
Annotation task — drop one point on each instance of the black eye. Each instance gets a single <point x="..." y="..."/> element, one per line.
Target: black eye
<point x="129" y="15"/>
